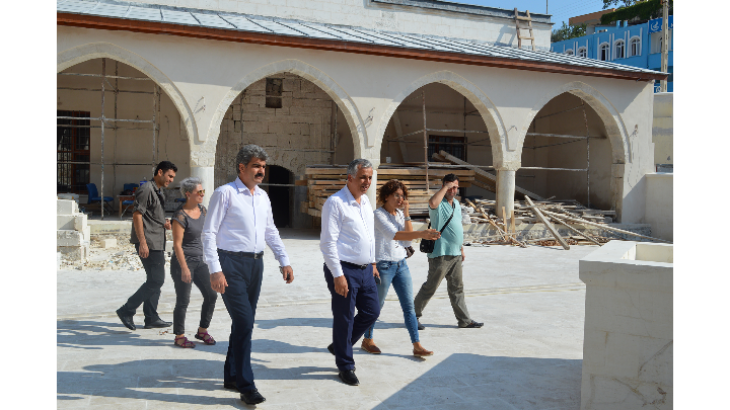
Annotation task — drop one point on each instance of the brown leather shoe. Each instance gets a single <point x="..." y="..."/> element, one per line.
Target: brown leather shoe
<point x="422" y="352"/>
<point x="368" y="345"/>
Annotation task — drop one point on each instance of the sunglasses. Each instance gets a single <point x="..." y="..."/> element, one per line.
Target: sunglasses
<point x="201" y="192"/>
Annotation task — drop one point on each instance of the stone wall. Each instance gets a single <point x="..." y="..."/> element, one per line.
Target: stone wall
<point x="628" y="341"/>
<point x="660" y="204"/>
<point x="662" y="132"/>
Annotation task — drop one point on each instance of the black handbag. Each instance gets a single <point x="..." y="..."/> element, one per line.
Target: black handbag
<point x="427" y="245"/>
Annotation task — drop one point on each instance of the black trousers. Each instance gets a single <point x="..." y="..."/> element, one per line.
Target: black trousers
<point x="149" y="293"/>
<point x="201" y="278"/>
<point x="348" y="328"/>
<point x="244" y="276"/>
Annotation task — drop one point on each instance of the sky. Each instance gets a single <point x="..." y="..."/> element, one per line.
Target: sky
<point x="561" y="10"/>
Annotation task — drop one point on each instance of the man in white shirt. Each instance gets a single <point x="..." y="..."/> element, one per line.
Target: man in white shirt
<point x="348" y="245"/>
<point x="238" y="224"/>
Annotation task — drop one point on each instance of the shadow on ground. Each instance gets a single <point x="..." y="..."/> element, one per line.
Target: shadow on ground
<point x="470" y="381"/>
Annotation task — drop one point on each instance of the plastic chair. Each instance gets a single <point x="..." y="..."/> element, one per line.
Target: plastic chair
<point x="94" y="196"/>
<point x="128" y="203"/>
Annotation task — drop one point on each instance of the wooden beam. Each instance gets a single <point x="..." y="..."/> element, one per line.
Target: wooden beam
<point x="485" y="174"/>
<point x="547" y="223"/>
<point x="606" y="227"/>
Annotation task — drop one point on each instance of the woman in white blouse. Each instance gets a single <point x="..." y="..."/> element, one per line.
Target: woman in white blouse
<point x="393" y="233"/>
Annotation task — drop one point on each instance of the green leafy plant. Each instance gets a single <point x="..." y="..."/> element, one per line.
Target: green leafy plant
<point x="643" y="10"/>
<point x="567" y="32"/>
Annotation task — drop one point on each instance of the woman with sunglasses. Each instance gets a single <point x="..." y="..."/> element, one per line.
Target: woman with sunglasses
<point x="187" y="265"/>
<point x="393" y="233"/>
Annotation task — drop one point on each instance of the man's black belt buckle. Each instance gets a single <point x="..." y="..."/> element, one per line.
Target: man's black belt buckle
<point x="354" y="265"/>
<point x="244" y="254"/>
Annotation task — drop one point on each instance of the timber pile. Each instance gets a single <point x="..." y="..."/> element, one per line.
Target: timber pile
<point x="551" y="213"/>
<point x="323" y="181"/>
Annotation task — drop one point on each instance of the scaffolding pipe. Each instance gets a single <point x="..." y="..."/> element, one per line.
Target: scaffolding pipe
<point x="588" y="158"/>
<point x="540" y="134"/>
<point x="107" y="76"/>
<point x="116" y="137"/>
<point x="103" y="72"/>
<point x="98" y="89"/>
<point x="97" y="163"/>
<point x="102" y="118"/>
<point x="443" y="130"/>
<point x="154" y="128"/>
<point x="425" y="140"/>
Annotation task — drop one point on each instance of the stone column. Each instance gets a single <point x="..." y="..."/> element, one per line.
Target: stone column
<point x="207" y="174"/>
<point x="505" y="191"/>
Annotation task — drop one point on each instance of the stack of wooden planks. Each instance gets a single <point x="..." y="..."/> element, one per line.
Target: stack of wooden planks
<point x="323" y="181"/>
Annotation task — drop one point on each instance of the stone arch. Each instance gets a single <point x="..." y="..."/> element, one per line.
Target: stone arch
<point x="308" y="72"/>
<point x="487" y="110"/>
<point x="612" y="121"/>
<point x="76" y="55"/>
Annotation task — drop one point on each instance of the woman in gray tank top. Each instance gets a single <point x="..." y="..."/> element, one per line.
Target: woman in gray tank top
<point x="187" y="265"/>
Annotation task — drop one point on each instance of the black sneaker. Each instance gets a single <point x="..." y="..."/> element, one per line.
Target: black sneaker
<point x="420" y="326"/>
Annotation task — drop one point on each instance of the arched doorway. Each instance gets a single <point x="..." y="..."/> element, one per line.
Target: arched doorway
<point x="567" y="154"/>
<point x="141" y="127"/>
<point x="453" y="124"/>
<point x="297" y="123"/>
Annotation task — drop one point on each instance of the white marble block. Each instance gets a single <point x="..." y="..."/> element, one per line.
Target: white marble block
<point x="108" y="243"/>
<point x="628" y="342"/>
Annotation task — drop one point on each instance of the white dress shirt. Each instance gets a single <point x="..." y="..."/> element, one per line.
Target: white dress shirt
<point x="240" y="222"/>
<point x="386" y="226"/>
<point x="348" y="232"/>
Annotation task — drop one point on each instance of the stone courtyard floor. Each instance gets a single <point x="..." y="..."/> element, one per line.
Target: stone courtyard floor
<point x="527" y="356"/>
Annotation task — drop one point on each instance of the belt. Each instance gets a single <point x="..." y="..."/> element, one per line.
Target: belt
<point x="354" y="265"/>
<point x="244" y="254"/>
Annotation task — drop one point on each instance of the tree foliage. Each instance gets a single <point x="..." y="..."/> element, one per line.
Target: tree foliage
<point x="643" y="10"/>
<point x="567" y="32"/>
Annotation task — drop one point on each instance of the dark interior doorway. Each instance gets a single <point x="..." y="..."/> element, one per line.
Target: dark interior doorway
<point x="281" y="196"/>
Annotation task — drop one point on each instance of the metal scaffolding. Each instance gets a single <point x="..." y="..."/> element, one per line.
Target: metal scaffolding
<point x="104" y="120"/>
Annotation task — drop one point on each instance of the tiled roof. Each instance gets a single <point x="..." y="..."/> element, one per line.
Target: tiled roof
<point x="323" y="31"/>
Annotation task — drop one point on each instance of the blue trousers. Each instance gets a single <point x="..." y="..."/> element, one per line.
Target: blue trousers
<point x="348" y="328"/>
<point x="399" y="275"/>
<point x="244" y="276"/>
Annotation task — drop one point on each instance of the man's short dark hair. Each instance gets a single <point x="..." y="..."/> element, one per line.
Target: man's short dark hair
<point x="449" y="178"/>
<point x="165" y="166"/>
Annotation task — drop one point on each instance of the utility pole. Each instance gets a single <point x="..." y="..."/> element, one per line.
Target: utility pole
<point x="546" y="7"/>
<point x="665" y="44"/>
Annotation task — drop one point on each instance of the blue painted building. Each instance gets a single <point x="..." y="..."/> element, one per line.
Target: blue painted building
<point x="637" y="45"/>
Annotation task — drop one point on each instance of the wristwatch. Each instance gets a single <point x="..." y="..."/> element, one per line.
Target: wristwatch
<point x="408" y="218"/>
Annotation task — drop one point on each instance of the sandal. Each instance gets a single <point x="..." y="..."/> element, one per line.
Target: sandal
<point x="184" y="342"/>
<point x="205" y="337"/>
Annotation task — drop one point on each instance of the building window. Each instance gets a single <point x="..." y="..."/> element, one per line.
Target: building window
<point x="73" y="140"/>
<point x="603" y="52"/>
<point x="582" y="52"/>
<point x="635" y="47"/>
<point x="455" y="146"/>
<point x="656" y="42"/>
<point x="568" y="52"/>
<point x="273" y="92"/>
<point x="619" y="48"/>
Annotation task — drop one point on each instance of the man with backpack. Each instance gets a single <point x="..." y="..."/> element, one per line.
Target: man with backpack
<point x="448" y="254"/>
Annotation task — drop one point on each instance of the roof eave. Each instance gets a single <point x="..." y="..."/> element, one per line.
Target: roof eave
<point x="151" y="27"/>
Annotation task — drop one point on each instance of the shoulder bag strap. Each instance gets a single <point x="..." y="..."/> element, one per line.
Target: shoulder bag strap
<point x="453" y="210"/>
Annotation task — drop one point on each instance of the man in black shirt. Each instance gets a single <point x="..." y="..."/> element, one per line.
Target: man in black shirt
<point x="148" y="236"/>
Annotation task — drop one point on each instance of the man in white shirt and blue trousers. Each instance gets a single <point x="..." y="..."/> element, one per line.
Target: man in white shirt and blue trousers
<point x="347" y="242"/>
<point x="238" y="225"/>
